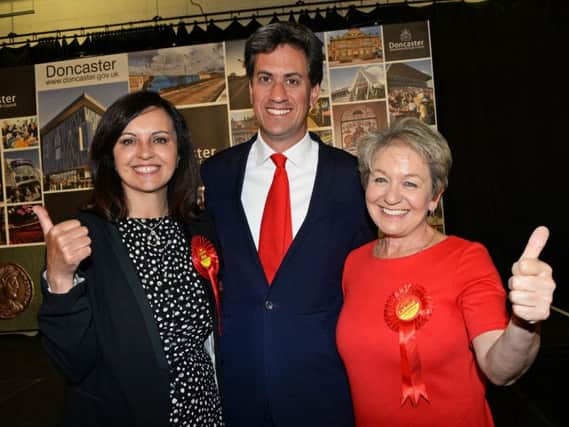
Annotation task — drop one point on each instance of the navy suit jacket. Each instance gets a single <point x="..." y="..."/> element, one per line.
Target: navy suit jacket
<point x="278" y="345"/>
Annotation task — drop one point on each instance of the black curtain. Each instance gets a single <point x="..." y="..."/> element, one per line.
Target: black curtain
<point x="501" y="103"/>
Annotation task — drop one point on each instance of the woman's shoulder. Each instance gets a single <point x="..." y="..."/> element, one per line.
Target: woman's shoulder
<point x="362" y="251"/>
<point x="90" y="218"/>
<point x="463" y="243"/>
<point x="468" y="251"/>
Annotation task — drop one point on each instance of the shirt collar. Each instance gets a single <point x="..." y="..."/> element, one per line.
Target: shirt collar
<point x="294" y="154"/>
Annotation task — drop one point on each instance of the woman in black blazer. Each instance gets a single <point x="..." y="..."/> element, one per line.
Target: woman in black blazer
<point x="129" y="314"/>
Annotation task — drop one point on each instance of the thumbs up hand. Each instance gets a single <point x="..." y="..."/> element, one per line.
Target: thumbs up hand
<point x="67" y="244"/>
<point x="532" y="285"/>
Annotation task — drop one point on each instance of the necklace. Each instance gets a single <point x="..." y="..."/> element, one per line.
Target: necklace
<point x="153" y="239"/>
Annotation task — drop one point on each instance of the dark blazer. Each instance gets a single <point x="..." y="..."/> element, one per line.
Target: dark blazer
<point x="103" y="339"/>
<point x="279" y="357"/>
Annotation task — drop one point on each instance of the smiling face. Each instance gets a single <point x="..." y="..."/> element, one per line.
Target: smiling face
<point x="399" y="191"/>
<point x="282" y="95"/>
<point x="146" y="155"/>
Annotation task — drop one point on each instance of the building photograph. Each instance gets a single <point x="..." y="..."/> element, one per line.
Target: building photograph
<point x="22" y="176"/>
<point x="244" y="124"/>
<point x="358" y="83"/>
<point x="411" y="92"/>
<point x="351" y="121"/>
<point x="184" y="75"/>
<point x="65" y="144"/>
<point x="354" y="46"/>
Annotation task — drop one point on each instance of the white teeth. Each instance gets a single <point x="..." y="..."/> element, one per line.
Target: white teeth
<point x="394" y="211"/>
<point x="279" y="112"/>
<point x="146" y="169"/>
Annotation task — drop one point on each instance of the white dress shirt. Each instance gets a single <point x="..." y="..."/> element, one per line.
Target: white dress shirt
<point x="302" y="160"/>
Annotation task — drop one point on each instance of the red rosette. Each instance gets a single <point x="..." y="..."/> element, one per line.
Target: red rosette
<point x="406" y="311"/>
<point x="206" y="262"/>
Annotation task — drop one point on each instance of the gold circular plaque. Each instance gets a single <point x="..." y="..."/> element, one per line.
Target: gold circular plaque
<point x="16" y="290"/>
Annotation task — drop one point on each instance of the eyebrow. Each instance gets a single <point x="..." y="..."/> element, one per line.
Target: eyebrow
<point x="151" y="133"/>
<point x="292" y="74"/>
<point x="409" y="175"/>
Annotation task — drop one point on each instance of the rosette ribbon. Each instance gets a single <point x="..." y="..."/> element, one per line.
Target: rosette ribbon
<point x="206" y="262"/>
<point x="406" y="311"/>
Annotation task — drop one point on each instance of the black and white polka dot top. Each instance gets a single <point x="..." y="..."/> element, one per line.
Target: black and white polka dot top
<point x="161" y="255"/>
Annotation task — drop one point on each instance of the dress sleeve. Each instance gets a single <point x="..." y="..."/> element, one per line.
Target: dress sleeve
<point x="482" y="299"/>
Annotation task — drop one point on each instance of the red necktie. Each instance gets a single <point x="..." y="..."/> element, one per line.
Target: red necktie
<point x="276" y="225"/>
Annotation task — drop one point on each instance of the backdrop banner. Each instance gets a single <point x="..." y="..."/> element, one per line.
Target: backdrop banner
<point x="49" y="112"/>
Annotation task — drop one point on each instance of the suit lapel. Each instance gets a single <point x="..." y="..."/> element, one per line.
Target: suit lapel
<point x="136" y="287"/>
<point x="322" y="186"/>
<point x="243" y="224"/>
<point x="318" y="206"/>
<point x="321" y="190"/>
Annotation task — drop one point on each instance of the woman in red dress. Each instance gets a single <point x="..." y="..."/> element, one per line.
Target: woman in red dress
<point x="424" y="322"/>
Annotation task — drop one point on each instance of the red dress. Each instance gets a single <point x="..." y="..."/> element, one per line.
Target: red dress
<point x="466" y="299"/>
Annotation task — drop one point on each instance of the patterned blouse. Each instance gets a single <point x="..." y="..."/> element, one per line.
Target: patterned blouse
<point x="161" y="255"/>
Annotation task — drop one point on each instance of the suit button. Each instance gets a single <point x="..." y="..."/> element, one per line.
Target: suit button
<point x="268" y="305"/>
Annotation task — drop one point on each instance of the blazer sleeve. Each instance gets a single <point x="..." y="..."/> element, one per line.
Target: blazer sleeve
<point x="68" y="332"/>
<point x="367" y="232"/>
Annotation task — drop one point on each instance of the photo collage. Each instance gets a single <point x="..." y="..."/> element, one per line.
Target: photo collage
<point x="49" y="112"/>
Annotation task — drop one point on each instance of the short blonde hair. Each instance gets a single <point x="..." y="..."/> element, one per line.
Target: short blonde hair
<point x="420" y="137"/>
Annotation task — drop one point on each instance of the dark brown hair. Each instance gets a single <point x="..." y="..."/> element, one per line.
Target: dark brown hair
<point x="267" y="38"/>
<point x="108" y="195"/>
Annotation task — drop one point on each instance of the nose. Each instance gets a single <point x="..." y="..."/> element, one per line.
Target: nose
<point x="392" y="195"/>
<point x="145" y="150"/>
<point x="278" y="92"/>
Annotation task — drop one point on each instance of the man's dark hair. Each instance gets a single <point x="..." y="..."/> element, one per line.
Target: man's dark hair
<point x="267" y="38"/>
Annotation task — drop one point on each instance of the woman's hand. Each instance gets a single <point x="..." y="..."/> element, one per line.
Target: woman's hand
<point x="532" y="285"/>
<point x="67" y="244"/>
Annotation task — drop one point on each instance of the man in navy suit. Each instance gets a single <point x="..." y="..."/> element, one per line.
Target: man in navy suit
<point x="280" y="366"/>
